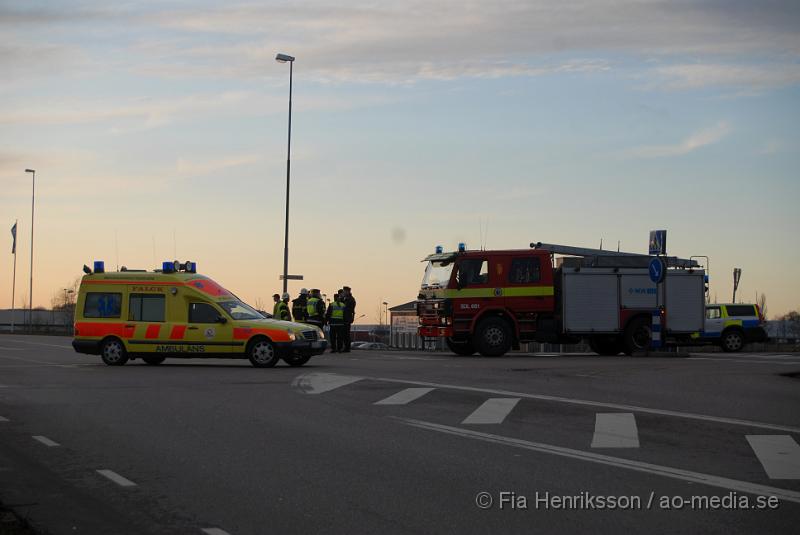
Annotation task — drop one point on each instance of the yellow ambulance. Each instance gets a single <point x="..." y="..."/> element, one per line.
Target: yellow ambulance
<point x="176" y="312"/>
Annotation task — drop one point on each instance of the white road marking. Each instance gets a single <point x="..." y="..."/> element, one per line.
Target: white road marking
<point x="750" y="361"/>
<point x="317" y="383"/>
<point x="666" y="471"/>
<point x="615" y="430"/>
<point x="778" y="454"/>
<point x="3" y="419"/>
<point x="493" y="411"/>
<point x="46" y="441"/>
<point x="404" y="396"/>
<point x="614" y="406"/>
<point x="215" y="531"/>
<point x="116" y="478"/>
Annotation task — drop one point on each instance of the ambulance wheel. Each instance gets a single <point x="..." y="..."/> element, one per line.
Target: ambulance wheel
<point x="732" y="341"/>
<point x="296" y="360"/>
<point x="262" y="353"/>
<point x="493" y="337"/>
<point x="154" y="361"/>
<point x="113" y="352"/>
<point x="637" y="336"/>
<point x="463" y="348"/>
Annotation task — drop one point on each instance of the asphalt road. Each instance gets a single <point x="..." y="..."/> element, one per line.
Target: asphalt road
<point x="396" y="442"/>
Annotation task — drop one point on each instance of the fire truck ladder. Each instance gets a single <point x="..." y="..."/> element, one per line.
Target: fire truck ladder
<point x="672" y="261"/>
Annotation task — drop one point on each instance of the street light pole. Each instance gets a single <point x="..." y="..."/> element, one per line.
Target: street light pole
<point x="30" y="290"/>
<point x="283" y="58"/>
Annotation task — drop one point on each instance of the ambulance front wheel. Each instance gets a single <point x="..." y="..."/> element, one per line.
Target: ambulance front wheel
<point x="113" y="353"/>
<point x="262" y="353"/>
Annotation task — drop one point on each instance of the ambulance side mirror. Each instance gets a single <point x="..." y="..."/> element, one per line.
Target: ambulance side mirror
<point x="222" y="319"/>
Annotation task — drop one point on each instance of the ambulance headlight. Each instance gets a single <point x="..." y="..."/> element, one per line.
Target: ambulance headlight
<point x="320" y="334"/>
<point x="292" y="336"/>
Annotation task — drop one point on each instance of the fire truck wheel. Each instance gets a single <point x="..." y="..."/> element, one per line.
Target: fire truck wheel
<point x="493" y="337"/>
<point x="732" y="341"/>
<point x="464" y="348"/>
<point x="154" y="361"/>
<point x="637" y="336"/>
<point x="113" y="352"/>
<point x="262" y="353"/>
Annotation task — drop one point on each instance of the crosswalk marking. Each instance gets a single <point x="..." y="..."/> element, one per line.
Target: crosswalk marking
<point x="317" y="383"/>
<point x="493" y="411"/>
<point x="404" y="396"/>
<point x="778" y="454"/>
<point x="46" y="441"/>
<point x="116" y="478"/>
<point x="615" y="430"/>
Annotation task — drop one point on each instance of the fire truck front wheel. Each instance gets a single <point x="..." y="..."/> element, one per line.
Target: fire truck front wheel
<point x="464" y="348"/>
<point x="493" y="337"/>
<point x="637" y="336"/>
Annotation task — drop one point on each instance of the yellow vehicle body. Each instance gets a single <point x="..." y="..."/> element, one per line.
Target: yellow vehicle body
<point x="154" y="315"/>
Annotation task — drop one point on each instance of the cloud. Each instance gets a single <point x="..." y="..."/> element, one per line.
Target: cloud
<point x="699" y="139"/>
<point x="755" y="78"/>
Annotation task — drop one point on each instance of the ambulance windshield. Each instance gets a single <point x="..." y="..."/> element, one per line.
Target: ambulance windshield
<point x="437" y="275"/>
<point x="241" y="311"/>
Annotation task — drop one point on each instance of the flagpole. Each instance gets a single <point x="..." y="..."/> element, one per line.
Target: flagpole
<point x="14" y="280"/>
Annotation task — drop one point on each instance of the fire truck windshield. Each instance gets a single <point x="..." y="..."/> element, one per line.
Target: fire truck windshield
<point x="437" y="275"/>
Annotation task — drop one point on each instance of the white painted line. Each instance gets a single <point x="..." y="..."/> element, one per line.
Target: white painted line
<point x="404" y="396"/>
<point x="46" y="441"/>
<point x="615" y="430"/>
<point x="215" y="531"/>
<point x="778" y="454"/>
<point x="317" y="383"/>
<point x="116" y="478"/>
<point x="493" y="411"/>
<point x="614" y="406"/>
<point x="3" y="419"/>
<point x="666" y="471"/>
<point x="750" y="361"/>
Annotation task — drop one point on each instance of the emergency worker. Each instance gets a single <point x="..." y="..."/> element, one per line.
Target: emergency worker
<point x="299" y="311"/>
<point x="282" y="308"/>
<point x="275" y="311"/>
<point x="349" y="316"/>
<point x="335" y="318"/>
<point x="315" y="307"/>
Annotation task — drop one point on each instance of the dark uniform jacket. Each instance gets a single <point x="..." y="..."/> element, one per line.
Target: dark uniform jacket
<point x="349" y="309"/>
<point x="299" y="311"/>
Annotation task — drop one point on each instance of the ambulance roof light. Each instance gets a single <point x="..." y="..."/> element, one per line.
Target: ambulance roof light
<point x="462" y="247"/>
<point x="191" y="267"/>
<point x="99" y="266"/>
<point x="439" y="249"/>
<point x="168" y="267"/>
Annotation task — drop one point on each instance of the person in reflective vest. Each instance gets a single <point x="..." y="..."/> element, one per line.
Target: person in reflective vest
<point x="282" y="308"/>
<point x="335" y="318"/>
<point x="275" y="312"/>
<point x="299" y="311"/>
<point x="315" y="308"/>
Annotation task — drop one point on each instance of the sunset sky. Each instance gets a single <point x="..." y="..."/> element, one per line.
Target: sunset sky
<point x="158" y="131"/>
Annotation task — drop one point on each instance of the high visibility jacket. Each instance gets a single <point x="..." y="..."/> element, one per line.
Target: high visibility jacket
<point x="282" y="311"/>
<point x="275" y="311"/>
<point x="313" y="309"/>
<point x="337" y="312"/>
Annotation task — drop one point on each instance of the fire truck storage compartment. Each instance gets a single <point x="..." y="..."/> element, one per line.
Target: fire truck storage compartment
<point x="685" y="301"/>
<point x="591" y="300"/>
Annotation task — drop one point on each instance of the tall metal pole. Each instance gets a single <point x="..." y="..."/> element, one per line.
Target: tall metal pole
<point x="30" y="291"/>
<point x="288" y="167"/>
<point x="14" y="279"/>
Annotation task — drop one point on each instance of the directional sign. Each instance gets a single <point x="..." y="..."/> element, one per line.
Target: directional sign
<point x="291" y="277"/>
<point x="657" y="270"/>
<point x="658" y="242"/>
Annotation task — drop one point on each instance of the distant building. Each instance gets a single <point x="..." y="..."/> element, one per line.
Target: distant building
<point x="403" y="324"/>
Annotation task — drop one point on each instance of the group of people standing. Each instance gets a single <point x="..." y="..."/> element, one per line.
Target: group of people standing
<point x="309" y="307"/>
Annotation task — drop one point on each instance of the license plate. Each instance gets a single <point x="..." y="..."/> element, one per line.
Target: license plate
<point x="316" y="345"/>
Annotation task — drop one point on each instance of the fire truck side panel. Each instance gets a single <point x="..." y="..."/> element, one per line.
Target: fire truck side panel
<point x="591" y="301"/>
<point x="637" y="290"/>
<point x="685" y="301"/>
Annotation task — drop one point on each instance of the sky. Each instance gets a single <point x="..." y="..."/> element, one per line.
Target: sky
<point x="158" y="130"/>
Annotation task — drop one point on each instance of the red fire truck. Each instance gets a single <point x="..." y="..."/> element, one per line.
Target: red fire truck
<point x="492" y="301"/>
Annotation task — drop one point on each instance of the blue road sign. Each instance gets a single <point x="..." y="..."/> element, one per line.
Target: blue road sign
<point x="657" y="270"/>
<point x="658" y="242"/>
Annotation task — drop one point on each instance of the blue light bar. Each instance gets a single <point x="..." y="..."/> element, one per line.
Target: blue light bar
<point x="99" y="266"/>
<point x="168" y="267"/>
<point x="462" y="247"/>
<point x="439" y="249"/>
<point x="191" y="267"/>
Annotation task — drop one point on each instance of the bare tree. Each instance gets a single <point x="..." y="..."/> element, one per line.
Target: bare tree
<point x="762" y="304"/>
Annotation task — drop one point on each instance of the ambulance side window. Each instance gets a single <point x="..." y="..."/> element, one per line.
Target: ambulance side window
<point x="146" y="307"/>
<point x="102" y="305"/>
<point x="202" y="313"/>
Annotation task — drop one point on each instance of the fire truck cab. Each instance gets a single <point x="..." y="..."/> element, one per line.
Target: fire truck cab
<point x="491" y="301"/>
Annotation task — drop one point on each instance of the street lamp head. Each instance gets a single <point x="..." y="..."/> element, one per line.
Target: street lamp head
<point x="30" y="170"/>
<point x="283" y="58"/>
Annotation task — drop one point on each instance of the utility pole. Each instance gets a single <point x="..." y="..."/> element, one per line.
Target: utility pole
<point x="737" y="275"/>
